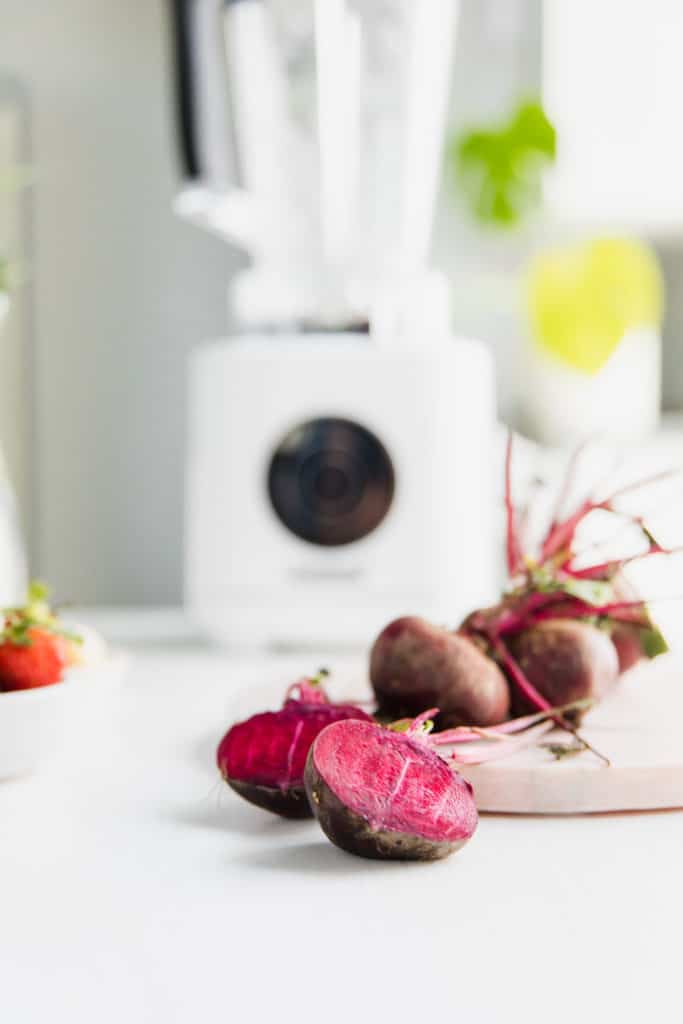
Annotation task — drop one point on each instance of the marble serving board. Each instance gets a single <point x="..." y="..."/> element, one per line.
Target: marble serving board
<point x="638" y="727"/>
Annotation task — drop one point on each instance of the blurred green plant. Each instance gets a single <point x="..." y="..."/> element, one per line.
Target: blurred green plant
<point x="499" y="169"/>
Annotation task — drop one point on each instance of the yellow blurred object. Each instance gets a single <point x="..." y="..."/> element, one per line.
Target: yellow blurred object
<point x="582" y="299"/>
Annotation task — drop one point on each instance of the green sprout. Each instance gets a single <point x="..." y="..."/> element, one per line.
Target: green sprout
<point x="499" y="168"/>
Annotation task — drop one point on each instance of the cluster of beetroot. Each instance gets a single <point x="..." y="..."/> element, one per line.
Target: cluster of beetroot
<point x="563" y="633"/>
<point x="554" y="645"/>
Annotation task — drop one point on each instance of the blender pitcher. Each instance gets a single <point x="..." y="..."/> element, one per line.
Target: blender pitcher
<point x="311" y="134"/>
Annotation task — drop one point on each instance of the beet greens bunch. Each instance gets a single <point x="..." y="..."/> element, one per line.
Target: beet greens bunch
<point x="560" y="637"/>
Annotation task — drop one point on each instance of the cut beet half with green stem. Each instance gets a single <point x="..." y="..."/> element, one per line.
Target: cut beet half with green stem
<point x="386" y="795"/>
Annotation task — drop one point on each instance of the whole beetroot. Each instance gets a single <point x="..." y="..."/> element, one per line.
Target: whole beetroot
<point x="263" y="758"/>
<point x="415" y="665"/>
<point x="565" y="660"/>
<point x="386" y="795"/>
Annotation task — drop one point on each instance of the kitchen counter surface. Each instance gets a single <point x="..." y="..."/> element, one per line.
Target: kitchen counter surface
<point x="135" y="887"/>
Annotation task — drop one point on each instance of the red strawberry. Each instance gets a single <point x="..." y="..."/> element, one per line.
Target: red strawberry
<point x="38" y="660"/>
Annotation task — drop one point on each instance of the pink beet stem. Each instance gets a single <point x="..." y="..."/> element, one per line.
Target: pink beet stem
<point x="566" y="485"/>
<point x="628" y="520"/>
<point x="536" y="699"/>
<point x="562" y="534"/>
<point x="467" y="734"/>
<point x="514" y="554"/>
<point x="526" y="688"/>
<point x="605" y="570"/>
<point x="515" y="618"/>
<point x="525" y="513"/>
<point x="308" y="691"/>
<point x="416" y="726"/>
<point x="622" y="611"/>
<point x="493" y="751"/>
<point x="665" y="474"/>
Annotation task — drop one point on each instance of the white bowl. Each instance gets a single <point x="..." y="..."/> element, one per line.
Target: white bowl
<point x="34" y="724"/>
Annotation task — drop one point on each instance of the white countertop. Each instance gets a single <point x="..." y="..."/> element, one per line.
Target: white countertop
<point x="135" y="887"/>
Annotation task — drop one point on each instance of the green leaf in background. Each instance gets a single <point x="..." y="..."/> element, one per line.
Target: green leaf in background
<point x="499" y="168"/>
<point x="583" y="298"/>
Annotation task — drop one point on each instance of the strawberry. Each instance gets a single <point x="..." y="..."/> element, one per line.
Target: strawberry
<point x="34" y="650"/>
<point x="39" y="661"/>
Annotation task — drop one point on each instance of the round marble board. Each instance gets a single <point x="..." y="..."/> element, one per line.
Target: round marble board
<point x="637" y="727"/>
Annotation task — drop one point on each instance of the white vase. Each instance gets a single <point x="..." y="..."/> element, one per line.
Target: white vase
<point x="620" y="402"/>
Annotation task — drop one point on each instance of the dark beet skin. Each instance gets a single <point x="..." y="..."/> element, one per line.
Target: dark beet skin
<point x="415" y="665"/>
<point x="291" y="802"/>
<point x="566" y="661"/>
<point x="263" y="758"/>
<point x="380" y="794"/>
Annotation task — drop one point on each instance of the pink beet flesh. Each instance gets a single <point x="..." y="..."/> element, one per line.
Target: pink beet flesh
<point x="395" y="783"/>
<point x="270" y="749"/>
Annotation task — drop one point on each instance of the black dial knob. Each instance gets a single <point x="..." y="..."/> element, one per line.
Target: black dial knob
<point x="331" y="481"/>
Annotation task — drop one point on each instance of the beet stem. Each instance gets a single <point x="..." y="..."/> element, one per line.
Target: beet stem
<point x="528" y="609"/>
<point x="566" y="485"/>
<point x="574" y="608"/>
<point x="561" y="534"/>
<point x="665" y="474"/>
<point x="467" y="734"/>
<point x="423" y="724"/>
<point x="584" y="742"/>
<point x="492" y="752"/>
<point x="536" y="699"/>
<point x="514" y="553"/>
<point x="309" y="689"/>
<point x="524" y="516"/>
<point x="608" y="569"/>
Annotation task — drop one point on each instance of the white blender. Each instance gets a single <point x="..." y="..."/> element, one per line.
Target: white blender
<point x="341" y="445"/>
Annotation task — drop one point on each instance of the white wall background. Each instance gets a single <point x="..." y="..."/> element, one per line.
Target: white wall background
<point x="122" y="290"/>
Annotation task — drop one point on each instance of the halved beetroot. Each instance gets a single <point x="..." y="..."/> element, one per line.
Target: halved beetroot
<point x="263" y="758"/>
<point x="383" y="794"/>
